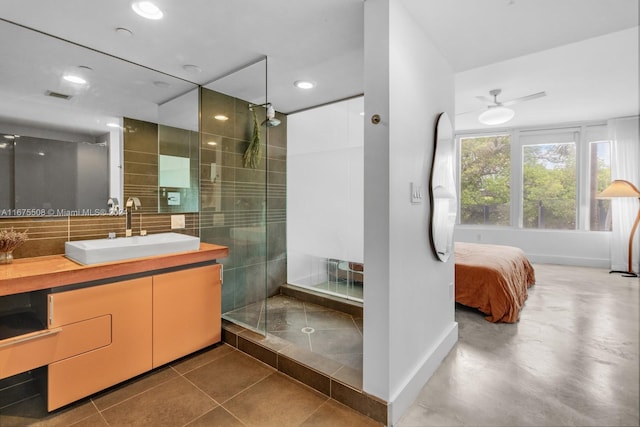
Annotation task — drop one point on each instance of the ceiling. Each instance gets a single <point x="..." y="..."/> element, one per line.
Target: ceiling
<point x="322" y="40"/>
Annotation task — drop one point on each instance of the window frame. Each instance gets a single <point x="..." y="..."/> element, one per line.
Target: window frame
<point x="583" y="137"/>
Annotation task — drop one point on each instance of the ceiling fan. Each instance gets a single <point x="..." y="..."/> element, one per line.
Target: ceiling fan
<point x="496" y="112"/>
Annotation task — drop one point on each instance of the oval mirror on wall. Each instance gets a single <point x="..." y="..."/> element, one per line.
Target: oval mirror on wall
<point x="444" y="199"/>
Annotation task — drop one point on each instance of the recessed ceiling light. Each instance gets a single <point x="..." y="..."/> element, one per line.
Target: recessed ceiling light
<point x="113" y="125"/>
<point x="74" y="79"/>
<point x="191" y="68"/>
<point x="10" y="137"/>
<point x="304" y="84"/>
<point x="221" y="117"/>
<point x="212" y="143"/>
<point x="40" y="153"/>
<point x="147" y="9"/>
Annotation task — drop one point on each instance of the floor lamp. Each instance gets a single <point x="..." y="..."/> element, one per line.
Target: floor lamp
<point x="622" y="188"/>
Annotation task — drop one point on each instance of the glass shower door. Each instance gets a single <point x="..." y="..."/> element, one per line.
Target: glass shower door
<point x="233" y="180"/>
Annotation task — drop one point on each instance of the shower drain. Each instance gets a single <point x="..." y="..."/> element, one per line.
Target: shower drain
<point x="308" y="330"/>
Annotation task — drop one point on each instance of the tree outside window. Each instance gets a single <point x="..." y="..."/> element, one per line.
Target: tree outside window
<point x="549" y="186"/>
<point x="485" y="171"/>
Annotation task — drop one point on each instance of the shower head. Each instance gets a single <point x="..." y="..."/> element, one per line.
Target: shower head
<point x="271" y="120"/>
<point x="271" y="123"/>
<point x="271" y="117"/>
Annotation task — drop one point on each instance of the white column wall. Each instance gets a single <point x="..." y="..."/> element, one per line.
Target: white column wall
<point x="409" y="321"/>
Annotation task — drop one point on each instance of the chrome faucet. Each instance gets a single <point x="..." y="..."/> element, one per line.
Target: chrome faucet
<point x="132" y="203"/>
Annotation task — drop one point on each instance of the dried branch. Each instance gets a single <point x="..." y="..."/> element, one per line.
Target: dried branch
<point x="11" y="239"/>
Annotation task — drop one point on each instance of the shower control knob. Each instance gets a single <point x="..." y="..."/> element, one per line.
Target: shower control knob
<point x="375" y="119"/>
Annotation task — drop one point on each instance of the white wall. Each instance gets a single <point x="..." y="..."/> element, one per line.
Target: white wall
<point x="409" y="321"/>
<point x="565" y="247"/>
<point x="593" y="79"/>
<point x="325" y="190"/>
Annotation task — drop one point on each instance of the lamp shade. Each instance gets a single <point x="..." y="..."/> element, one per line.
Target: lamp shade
<point x="619" y="188"/>
<point x="496" y="116"/>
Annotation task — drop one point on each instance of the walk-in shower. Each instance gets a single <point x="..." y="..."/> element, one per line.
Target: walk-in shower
<point x="325" y="199"/>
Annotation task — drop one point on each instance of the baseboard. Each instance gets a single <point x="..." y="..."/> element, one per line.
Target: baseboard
<point x="404" y="398"/>
<point x="569" y="260"/>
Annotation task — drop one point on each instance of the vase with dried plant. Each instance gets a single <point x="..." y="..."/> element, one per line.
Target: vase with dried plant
<point x="9" y="241"/>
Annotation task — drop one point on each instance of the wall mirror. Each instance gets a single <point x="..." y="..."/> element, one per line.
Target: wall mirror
<point x="444" y="200"/>
<point x="41" y="112"/>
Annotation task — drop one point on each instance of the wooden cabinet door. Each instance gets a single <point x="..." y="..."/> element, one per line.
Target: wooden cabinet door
<point x="186" y="312"/>
<point x="127" y="306"/>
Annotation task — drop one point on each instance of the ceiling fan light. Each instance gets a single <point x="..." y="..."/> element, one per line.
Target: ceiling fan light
<point x="147" y="9"/>
<point x="496" y="116"/>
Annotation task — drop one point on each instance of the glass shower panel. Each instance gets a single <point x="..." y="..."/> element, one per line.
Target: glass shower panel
<point x="234" y="191"/>
<point x="325" y="199"/>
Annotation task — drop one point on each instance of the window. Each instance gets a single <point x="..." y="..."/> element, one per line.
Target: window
<point x="485" y="180"/>
<point x="549" y="186"/>
<point x="536" y="178"/>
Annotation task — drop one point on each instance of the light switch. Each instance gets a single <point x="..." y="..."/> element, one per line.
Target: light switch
<point x="177" y="221"/>
<point x="416" y="193"/>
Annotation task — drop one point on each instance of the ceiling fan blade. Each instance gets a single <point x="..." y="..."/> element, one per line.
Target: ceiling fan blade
<point x="471" y="111"/>
<point x="485" y="99"/>
<point x="524" y="98"/>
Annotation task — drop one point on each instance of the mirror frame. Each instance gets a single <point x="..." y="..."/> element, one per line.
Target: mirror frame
<point x="443" y="192"/>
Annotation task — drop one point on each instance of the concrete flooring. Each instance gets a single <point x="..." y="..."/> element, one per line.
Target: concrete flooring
<point x="571" y="360"/>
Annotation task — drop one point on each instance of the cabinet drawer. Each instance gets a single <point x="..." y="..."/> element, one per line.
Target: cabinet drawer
<point x="127" y="305"/>
<point x="88" y="303"/>
<point x="80" y="337"/>
<point x="30" y="351"/>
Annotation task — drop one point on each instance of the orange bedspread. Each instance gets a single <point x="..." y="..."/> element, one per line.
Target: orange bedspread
<point x="493" y="278"/>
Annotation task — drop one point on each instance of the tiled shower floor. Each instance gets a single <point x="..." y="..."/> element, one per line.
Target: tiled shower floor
<point x="319" y="329"/>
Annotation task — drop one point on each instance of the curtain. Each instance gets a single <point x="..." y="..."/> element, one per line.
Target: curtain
<point x="625" y="164"/>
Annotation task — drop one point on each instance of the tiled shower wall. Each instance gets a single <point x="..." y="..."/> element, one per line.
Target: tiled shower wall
<point x="241" y="207"/>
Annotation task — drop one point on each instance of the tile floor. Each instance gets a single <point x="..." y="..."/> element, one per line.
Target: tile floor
<point x="220" y="386"/>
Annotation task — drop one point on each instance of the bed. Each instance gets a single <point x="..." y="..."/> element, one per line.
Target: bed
<point x="493" y="279"/>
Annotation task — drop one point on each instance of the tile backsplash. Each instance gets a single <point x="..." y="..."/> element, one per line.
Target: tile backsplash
<point x="47" y="235"/>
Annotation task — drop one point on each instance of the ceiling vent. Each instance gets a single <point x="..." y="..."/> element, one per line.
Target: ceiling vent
<point x="58" y="95"/>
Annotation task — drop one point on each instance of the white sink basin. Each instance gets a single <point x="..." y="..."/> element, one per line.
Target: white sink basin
<point x="106" y="250"/>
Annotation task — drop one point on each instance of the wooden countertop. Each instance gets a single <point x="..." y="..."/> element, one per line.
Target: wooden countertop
<point x="32" y="274"/>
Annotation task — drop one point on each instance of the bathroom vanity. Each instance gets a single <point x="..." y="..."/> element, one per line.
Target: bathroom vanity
<point x="87" y="327"/>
